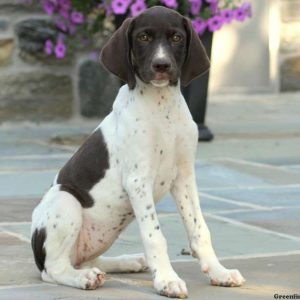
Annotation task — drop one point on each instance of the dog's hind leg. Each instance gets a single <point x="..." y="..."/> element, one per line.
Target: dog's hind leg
<point x="127" y="263"/>
<point x="56" y="225"/>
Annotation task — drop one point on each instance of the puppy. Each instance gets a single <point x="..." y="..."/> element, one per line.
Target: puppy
<point x="143" y="149"/>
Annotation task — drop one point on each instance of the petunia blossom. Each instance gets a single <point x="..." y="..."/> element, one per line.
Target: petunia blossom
<point x="65" y="4"/>
<point x="49" y="7"/>
<point x="246" y="6"/>
<point x="48" y="48"/>
<point x="170" y="3"/>
<point x="138" y="7"/>
<point x="60" y="50"/>
<point x="199" y="25"/>
<point x="195" y="6"/>
<point x="240" y="14"/>
<point x="64" y="13"/>
<point x="214" y="23"/>
<point x="61" y="25"/>
<point x="214" y="7"/>
<point x="227" y="15"/>
<point x="119" y="7"/>
<point x="77" y="17"/>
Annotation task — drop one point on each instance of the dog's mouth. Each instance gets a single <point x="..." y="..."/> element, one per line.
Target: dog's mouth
<point x="161" y="79"/>
<point x="161" y="76"/>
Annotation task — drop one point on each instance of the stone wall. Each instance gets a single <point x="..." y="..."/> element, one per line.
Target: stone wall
<point x="36" y="87"/>
<point x="289" y="55"/>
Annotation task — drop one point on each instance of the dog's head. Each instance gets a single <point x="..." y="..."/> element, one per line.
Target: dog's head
<point x="159" y="46"/>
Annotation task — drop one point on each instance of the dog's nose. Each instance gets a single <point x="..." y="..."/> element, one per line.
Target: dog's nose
<point x="161" y="66"/>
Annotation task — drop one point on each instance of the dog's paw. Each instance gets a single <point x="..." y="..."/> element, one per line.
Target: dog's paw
<point x="220" y="276"/>
<point x="171" y="288"/>
<point x="90" y="279"/>
<point x="134" y="263"/>
<point x="129" y="263"/>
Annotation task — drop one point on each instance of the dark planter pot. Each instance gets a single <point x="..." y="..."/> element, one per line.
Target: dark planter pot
<point x="196" y="92"/>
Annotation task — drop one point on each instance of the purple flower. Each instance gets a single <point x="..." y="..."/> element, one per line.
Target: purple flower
<point x="214" y="23"/>
<point x="214" y="7"/>
<point x="138" y="7"/>
<point x="65" y="4"/>
<point x="195" y="6"/>
<point x="227" y="15"/>
<point x="93" y="56"/>
<point x="49" y="7"/>
<point x="48" y="48"/>
<point x="64" y="13"/>
<point x="77" y="17"/>
<point x="61" y="25"/>
<point x="199" y="25"/>
<point x="119" y="7"/>
<point x="60" y="49"/>
<point x="247" y="8"/>
<point x="240" y="14"/>
<point x="169" y="3"/>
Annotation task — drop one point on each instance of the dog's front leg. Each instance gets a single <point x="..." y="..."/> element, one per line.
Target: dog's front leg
<point x="185" y="194"/>
<point x="166" y="281"/>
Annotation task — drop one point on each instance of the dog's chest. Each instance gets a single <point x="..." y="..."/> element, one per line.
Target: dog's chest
<point x="149" y="125"/>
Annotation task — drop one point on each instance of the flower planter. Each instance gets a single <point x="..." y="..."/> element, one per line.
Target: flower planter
<point x="196" y="92"/>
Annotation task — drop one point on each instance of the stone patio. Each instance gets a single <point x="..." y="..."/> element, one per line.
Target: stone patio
<point x="249" y="185"/>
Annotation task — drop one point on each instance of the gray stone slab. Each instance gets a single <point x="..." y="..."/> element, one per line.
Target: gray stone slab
<point x="17" y="210"/>
<point x="44" y="131"/>
<point x="294" y="168"/>
<point x="28" y="164"/>
<point x="113" y="290"/>
<point x="212" y="174"/>
<point x="265" y="277"/>
<point x="284" y="220"/>
<point x="269" y="197"/>
<point x="207" y="205"/>
<point x="21" y="148"/>
<point x="268" y="174"/>
<point x="16" y="262"/>
<point x="25" y="184"/>
<point x="227" y="173"/>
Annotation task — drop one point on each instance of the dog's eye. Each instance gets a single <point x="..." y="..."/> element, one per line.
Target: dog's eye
<point x="176" y="38"/>
<point x="144" y="38"/>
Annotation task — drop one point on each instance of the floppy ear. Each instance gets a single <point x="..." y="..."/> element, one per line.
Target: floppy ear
<point x="196" y="61"/>
<point x="115" y="55"/>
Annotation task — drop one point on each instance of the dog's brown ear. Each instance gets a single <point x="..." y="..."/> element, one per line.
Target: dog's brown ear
<point x="115" y="55"/>
<point x="196" y="61"/>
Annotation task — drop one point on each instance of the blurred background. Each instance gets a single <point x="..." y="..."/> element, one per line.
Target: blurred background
<point x="248" y="178"/>
<point x="258" y="56"/>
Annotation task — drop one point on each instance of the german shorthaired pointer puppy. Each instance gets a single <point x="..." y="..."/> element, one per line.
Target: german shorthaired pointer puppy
<point x="143" y="149"/>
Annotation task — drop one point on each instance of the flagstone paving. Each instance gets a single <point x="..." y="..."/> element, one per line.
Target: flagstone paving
<point x="249" y="186"/>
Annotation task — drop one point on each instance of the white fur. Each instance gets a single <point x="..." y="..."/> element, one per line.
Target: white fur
<point x="160" y="83"/>
<point x="161" y="53"/>
<point x="151" y="140"/>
